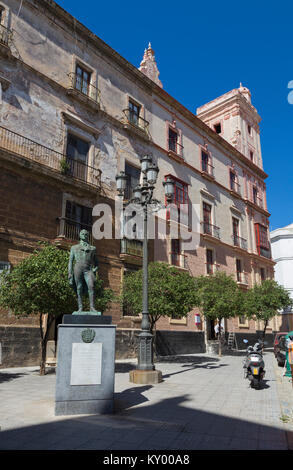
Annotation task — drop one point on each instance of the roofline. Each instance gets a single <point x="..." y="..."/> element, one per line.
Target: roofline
<point x="70" y="20"/>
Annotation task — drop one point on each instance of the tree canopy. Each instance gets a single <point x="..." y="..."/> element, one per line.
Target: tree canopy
<point x="171" y="292"/>
<point x="264" y="300"/>
<point x="218" y="296"/>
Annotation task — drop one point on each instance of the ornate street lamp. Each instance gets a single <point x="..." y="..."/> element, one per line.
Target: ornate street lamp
<point x="143" y="195"/>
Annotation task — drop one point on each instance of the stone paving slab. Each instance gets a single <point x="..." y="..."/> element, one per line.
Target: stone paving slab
<point x="202" y="403"/>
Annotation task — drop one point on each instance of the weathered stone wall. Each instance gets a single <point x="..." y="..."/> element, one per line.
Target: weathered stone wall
<point x="20" y="346"/>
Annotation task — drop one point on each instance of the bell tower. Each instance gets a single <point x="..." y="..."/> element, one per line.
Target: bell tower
<point x="149" y="67"/>
<point x="234" y="118"/>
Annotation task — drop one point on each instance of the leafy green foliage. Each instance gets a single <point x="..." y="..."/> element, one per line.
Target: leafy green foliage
<point x="171" y="292"/>
<point x="39" y="285"/>
<point x="263" y="301"/>
<point x="218" y="296"/>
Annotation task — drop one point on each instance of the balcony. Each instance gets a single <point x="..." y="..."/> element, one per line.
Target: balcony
<point x="264" y="251"/>
<point x="239" y="242"/>
<point x="135" y="123"/>
<point x="69" y="229"/>
<point x="235" y="188"/>
<point x="175" y="150"/>
<point x="209" y="229"/>
<point x="83" y="91"/>
<point x="178" y="260"/>
<point x="131" y="251"/>
<point x="207" y="170"/>
<point x="242" y="278"/>
<point x="19" y="145"/>
<point x="5" y="40"/>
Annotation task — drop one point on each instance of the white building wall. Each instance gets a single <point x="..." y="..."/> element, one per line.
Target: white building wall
<point x="282" y="253"/>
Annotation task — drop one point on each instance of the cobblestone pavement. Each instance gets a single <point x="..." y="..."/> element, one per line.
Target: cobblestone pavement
<point x="202" y="403"/>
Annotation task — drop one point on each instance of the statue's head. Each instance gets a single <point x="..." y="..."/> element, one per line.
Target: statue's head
<point x="84" y="235"/>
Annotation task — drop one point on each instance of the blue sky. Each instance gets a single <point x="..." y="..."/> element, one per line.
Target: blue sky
<point x="204" y="49"/>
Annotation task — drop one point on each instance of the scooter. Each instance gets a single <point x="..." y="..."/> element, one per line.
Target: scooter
<point x="254" y="364"/>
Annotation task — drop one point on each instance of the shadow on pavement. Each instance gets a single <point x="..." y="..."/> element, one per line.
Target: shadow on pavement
<point x="130" y="397"/>
<point x="170" y="423"/>
<point x="7" y="377"/>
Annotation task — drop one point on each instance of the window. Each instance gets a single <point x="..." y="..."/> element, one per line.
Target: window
<point x="77" y="218"/>
<point x="1" y="15"/>
<point x="243" y="321"/>
<point x="206" y="163"/>
<point x="134" y="111"/>
<point x="233" y="181"/>
<point x="207" y="218"/>
<point x="77" y="153"/>
<point x="210" y="261"/>
<point x="263" y="274"/>
<point x="235" y="223"/>
<point x="175" y="252"/>
<point x="251" y="155"/>
<point x="238" y="270"/>
<point x="82" y="80"/>
<point x="4" y="266"/>
<point x="254" y="194"/>
<point x="262" y="241"/>
<point x="218" y="128"/>
<point x="133" y="176"/>
<point x="180" y="199"/>
<point x="173" y="140"/>
<point x="249" y="129"/>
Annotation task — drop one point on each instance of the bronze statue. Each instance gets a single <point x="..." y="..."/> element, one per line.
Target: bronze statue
<point x="82" y="274"/>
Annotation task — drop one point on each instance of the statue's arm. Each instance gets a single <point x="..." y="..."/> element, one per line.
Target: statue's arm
<point x="70" y="265"/>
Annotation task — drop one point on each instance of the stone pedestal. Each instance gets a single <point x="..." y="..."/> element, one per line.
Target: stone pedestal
<point x="85" y="367"/>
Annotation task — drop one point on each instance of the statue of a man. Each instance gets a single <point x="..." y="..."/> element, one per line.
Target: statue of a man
<point x="82" y="268"/>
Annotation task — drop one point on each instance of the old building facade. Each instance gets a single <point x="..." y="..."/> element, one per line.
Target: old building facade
<point x="73" y="114"/>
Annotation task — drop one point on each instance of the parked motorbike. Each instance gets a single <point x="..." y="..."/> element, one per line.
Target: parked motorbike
<point x="254" y="364"/>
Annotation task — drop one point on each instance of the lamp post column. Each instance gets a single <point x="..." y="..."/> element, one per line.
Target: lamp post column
<point x="145" y="354"/>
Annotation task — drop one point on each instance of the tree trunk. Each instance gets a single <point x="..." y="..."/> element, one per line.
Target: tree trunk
<point x="44" y="339"/>
<point x="264" y="331"/>
<point x="219" y="338"/>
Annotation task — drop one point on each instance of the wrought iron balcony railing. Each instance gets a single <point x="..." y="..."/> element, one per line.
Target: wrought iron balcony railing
<point x="239" y="241"/>
<point x="209" y="229"/>
<point x="131" y="247"/>
<point x="130" y="117"/>
<point x="5" y="35"/>
<point x="27" y="148"/>
<point x="207" y="168"/>
<point x="179" y="260"/>
<point x="234" y="186"/>
<point x="70" y="229"/>
<point x="83" y="87"/>
<point x="242" y="277"/>
<point x="175" y="147"/>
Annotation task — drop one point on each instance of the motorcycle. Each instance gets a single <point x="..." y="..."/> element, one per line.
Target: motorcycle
<point x="254" y="364"/>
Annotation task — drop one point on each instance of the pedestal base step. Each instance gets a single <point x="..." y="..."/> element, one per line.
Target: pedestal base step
<point x="83" y="407"/>
<point x="145" y="377"/>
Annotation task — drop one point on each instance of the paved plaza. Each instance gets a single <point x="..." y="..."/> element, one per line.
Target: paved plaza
<point x="202" y="403"/>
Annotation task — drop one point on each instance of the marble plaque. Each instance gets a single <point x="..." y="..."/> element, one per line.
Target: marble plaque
<point x="86" y="364"/>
